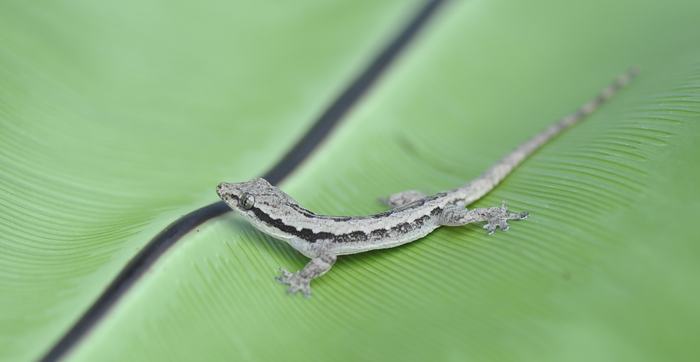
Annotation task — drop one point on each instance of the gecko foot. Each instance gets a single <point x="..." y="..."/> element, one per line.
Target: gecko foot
<point x="296" y="283"/>
<point x="402" y="198"/>
<point x="498" y="216"/>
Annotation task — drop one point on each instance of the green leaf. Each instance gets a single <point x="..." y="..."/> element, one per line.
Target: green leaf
<point x="118" y="118"/>
<point x="604" y="269"/>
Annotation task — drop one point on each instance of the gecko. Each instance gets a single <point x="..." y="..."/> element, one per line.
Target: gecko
<point x="412" y="214"/>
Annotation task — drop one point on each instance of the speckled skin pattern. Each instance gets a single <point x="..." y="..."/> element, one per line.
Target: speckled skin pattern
<point x="413" y="215"/>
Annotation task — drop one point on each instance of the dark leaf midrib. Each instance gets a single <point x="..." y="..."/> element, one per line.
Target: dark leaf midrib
<point x="152" y="251"/>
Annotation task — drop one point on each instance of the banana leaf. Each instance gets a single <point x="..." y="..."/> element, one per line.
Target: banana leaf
<point x="99" y="153"/>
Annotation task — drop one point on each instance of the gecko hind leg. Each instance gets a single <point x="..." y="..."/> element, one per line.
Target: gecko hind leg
<point x="457" y="215"/>
<point x="501" y="218"/>
<point x="402" y="198"/>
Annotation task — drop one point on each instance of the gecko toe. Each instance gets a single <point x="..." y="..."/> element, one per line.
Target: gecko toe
<point x="295" y="282"/>
<point x="286" y="273"/>
<point x="499" y="216"/>
<point x="491" y="227"/>
<point x="285" y="278"/>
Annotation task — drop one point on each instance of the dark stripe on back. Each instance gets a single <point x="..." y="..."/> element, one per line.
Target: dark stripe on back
<point x="352" y="237"/>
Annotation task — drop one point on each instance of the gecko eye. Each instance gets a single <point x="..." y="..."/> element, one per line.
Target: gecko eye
<point x="247" y="201"/>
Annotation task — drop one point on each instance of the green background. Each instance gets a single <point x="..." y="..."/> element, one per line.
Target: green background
<point x="116" y="119"/>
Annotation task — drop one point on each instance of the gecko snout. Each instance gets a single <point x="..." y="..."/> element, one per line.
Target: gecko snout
<point x="221" y="189"/>
<point x="227" y="189"/>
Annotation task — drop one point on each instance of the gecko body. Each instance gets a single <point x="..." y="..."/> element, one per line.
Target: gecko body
<point x="413" y="215"/>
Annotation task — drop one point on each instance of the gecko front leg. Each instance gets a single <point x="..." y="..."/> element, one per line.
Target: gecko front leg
<point x="402" y="198"/>
<point x="457" y="215"/>
<point x="302" y="280"/>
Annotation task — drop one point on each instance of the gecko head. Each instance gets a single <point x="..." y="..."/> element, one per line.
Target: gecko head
<point x="242" y="197"/>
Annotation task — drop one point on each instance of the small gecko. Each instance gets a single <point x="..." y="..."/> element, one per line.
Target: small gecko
<point x="412" y="216"/>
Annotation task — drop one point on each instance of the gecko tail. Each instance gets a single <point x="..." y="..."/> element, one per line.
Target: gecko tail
<point x="489" y="179"/>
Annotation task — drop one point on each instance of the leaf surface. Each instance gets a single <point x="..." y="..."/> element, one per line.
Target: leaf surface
<point x="118" y="118"/>
<point x="602" y="270"/>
